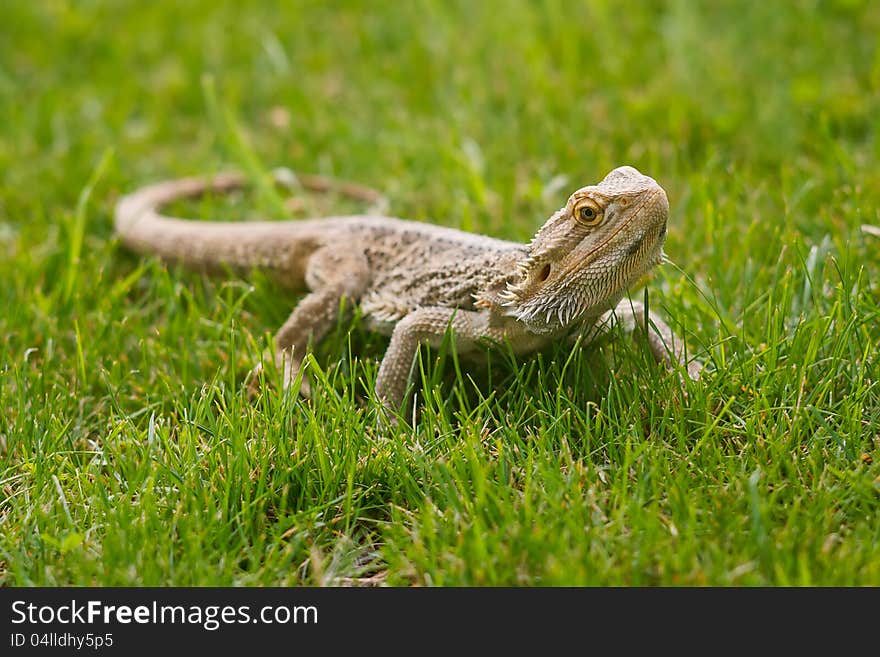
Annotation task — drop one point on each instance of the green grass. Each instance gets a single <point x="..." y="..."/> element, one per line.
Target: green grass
<point x="130" y="453"/>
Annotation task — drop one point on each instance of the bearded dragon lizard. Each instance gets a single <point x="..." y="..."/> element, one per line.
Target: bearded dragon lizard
<point x="415" y="281"/>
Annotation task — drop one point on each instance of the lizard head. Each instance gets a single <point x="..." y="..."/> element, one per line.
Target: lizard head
<point x="583" y="259"/>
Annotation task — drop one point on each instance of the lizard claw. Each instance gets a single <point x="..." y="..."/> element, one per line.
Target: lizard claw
<point x="253" y="384"/>
<point x="292" y="367"/>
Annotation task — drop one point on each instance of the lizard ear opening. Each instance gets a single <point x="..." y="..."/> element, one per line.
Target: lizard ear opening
<point x="544" y="274"/>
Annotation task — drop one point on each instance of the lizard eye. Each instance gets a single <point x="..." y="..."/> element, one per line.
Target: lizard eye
<point x="588" y="214"/>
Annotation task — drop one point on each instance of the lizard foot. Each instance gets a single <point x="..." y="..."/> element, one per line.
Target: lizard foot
<point x="695" y="370"/>
<point x="256" y="380"/>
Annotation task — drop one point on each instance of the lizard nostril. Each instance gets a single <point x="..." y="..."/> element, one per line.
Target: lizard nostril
<point x="544" y="274"/>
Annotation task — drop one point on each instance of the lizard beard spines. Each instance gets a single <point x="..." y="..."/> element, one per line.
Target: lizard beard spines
<point x="543" y="313"/>
<point x="543" y="306"/>
<point x="516" y="290"/>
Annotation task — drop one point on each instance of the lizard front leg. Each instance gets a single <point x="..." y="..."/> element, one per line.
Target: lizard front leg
<point x="665" y="346"/>
<point x="337" y="277"/>
<point x="423" y="326"/>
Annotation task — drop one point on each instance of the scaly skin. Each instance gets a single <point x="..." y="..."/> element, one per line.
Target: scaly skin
<point x="414" y="281"/>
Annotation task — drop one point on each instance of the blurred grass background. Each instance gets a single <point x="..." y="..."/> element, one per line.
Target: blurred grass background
<point x="129" y="452"/>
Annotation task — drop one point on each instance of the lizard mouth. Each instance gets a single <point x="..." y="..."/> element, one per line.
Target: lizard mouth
<point x="634" y="248"/>
<point x="647" y="240"/>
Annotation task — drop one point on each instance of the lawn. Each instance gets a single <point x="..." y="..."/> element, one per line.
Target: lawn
<point x="131" y="453"/>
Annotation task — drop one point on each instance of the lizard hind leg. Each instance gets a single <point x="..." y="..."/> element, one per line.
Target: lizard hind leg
<point x="337" y="278"/>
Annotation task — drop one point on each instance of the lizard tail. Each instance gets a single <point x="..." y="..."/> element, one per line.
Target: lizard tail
<point x="208" y="245"/>
<point x="281" y="247"/>
<point x="144" y="204"/>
